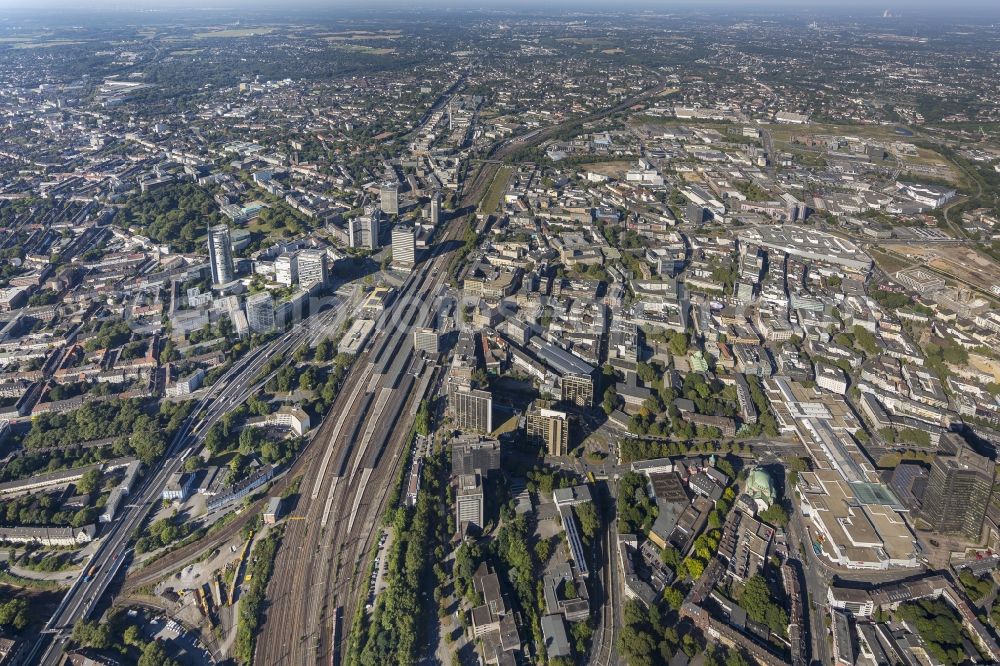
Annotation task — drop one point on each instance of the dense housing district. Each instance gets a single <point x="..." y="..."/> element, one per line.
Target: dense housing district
<point x="466" y="338"/>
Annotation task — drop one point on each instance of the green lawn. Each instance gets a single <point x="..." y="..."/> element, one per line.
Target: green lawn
<point x="491" y="200"/>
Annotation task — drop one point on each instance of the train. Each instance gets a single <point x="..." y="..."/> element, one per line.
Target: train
<point x="335" y="639"/>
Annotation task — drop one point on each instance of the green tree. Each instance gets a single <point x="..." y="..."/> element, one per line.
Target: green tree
<point x="324" y="351"/>
<point x="775" y="515"/>
<point x="132" y="636"/>
<point x="248" y="441"/>
<point x="586" y="513"/>
<point x="89" y="482"/>
<point x="673" y="598"/>
<point x="758" y="602"/>
<point x="14" y="614"/>
<point x="678" y="343"/>
<point x="92" y="634"/>
<point x="153" y="654"/>
<point x="422" y="423"/>
<point x="149" y="445"/>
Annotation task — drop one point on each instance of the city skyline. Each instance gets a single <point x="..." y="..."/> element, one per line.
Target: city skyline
<point x="496" y="335"/>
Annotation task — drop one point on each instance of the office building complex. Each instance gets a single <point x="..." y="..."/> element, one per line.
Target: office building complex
<point x="958" y="489"/>
<point x="220" y="254"/>
<point x="435" y="208"/>
<point x="389" y="198"/>
<point x="473" y="408"/>
<point x="426" y="340"/>
<point x="472" y="454"/>
<point x="578" y="389"/>
<point x="469" y="501"/>
<point x="548" y="427"/>
<point x="404" y="247"/>
<point x="576" y="376"/>
<point x="260" y="312"/>
<point x="312" y="267"/>
<point x="363" y="231"/>
<point x="286" y="269"/>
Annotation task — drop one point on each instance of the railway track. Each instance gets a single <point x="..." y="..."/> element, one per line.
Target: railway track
<point x="348" y="470"/>
<point x="603" y="654"/>
<point x="320" y="566"/>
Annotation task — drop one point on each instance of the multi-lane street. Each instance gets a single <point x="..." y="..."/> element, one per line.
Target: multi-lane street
<point x="233" y="388"/>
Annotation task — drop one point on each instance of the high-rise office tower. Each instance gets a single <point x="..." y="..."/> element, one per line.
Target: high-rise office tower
<point x="389" y="198"/>
<point x="286" y="269"/>
<point x="473" y="408"/>
<point x="578" y="389"/>
<point x="404" y="247"/>
<point x="312" y="267"/>
<point x="425" y="339"/>
<point x="260" y="312"/>
<point x="220" y="254"/>
<point x="958" y="489"/>
<point x="549" y="427"/>
<point x="436" y="208"/>
<point x="363" y="231"/>
<point x="469" y="501"/>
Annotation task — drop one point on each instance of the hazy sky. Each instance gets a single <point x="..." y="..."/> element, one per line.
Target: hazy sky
<point x="957" y="10"/>
<point x="896" y="6"/>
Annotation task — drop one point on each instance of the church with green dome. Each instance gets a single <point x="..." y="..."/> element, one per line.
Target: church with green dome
<point x="760" y="488"/>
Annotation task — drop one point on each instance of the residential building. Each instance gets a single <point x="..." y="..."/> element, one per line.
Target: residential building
<point x="425" y="340"/>
<point x="49" y="536"/>
<point x="548" y="427"/>
<point x="554" y="634"/>
<point x="435" y="216"/>
<point x="831" y="378"/>
<point x="178" y="486"/>
<point x="472" y="454"/>
<point x="286" y="269"/>
<point x="492" y="622"/>
<point x="186" y="385"/>
<point x="578" y="389"/>
<point x="273" y="511"/>
<point x="293" y="417"/>
<point x="363" y="231"/>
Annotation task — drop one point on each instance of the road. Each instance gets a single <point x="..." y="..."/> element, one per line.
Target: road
<point x="603" y="652"/>
<point x="231" y="390"/>
<point x="815" y="590"/>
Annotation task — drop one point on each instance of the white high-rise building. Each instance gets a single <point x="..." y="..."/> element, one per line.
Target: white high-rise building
<point x="469" y="501"/>
<point x="389" y="198"/>
<point x="260" y="312"/>
<point x="286" y="269"/>
<point x="220" y="254"/>
<point x="404" y="249"/>
<point x="435" y="208"/>
<point x="363" y="231"/>
<point x="425" y="339"/>
<point x="312" y="267"/>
